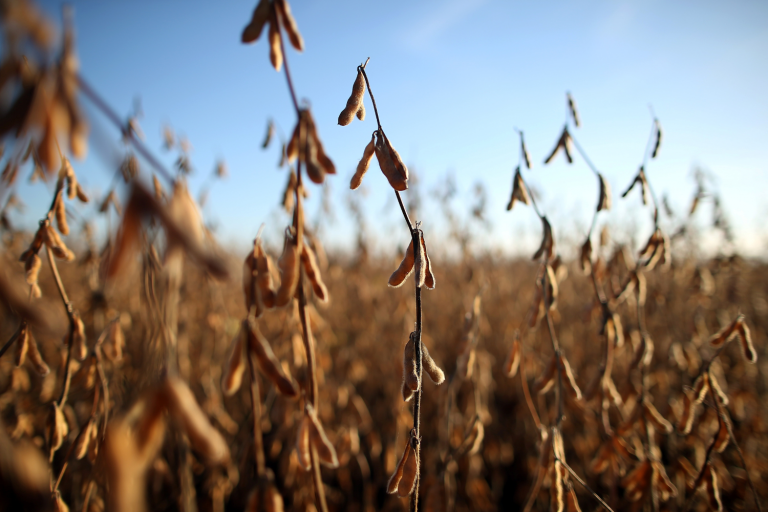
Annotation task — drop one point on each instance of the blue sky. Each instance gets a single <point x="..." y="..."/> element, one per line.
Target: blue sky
<point x="452" y="80"/>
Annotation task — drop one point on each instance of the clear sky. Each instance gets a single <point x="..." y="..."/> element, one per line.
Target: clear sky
<point x="452" y="80"/>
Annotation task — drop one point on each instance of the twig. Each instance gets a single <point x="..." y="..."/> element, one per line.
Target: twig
<point x="583" y="484"/>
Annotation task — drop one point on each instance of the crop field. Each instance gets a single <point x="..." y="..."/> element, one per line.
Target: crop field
<point x="155" y="369"/>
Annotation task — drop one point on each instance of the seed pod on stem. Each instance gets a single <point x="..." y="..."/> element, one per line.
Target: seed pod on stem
<point x="519" y="191"/>
<point x="524" y="151"/>
<point x="604" y="203"/>
<point x="411" y="381"/>
<point x="303" y="449"/>
<point x="233" y="376"/>
<point x="586" y="257"/>
<point x="387" y="164"/>
<point x="362" y="166"/>
<point x="289" y="24"/>
<point x="404" y="270"/>
<point x="513" y="360"/>
<point x="260" y="17"/>
<point x="430" y="367"/>
<point x="275" y="50"/>
<point x="547" y="246"/>
<point x="260" y="348"/>
<point x="319" y="440"/>
<point x="403" y="480"/>
<point x="289" y="269"/>
<point x="658" y="138"/>
<point x="313" y="273"/>
<point x="574" y="112"/>
<point x="355" y="101"/>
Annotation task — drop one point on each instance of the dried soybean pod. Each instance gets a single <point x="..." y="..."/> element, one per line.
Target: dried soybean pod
<point x="399" y="276"/>
<point x="712" y="488"/>
<point x="718" y="390"/>
<point x="420" y="262"/>
<point x="519" y="190"/>
<point x="289" y="270"/>
<point x="21" y="339"/>
<point x="554" y="151"/>
<point x="202" y="436"/>
<point x="686" y="419"/>
<point x="79" y="347"/>
<point x="429" y="277"/>
<point x="723" y="437"/>
<point x="524" y="151"/>
<point x="275" y="51"/>
<point x="288" y="193"/>
<point x="326" y="164"/>
<point x="264" y="282"/>
<point x="266" y="359"/>
<point x="319" y="440"/>
<point x="725" y="334"/>
<point x="355" y="100"/>
<point x="604" y="202"/>
<point x="387" y="165"/>
<point x="313" y="272"/>
<point x="654" y="416"/>
<point x="286" y="17"/>
<point x="260" y="16"/>
<point x="61" y="213"/>
<point x="747" y="348"/>
<point x="302" y="443"/>
<point x="410" y="377"/>
<point x="435" y="373"/>
<point x="658" y="137"/>
<point x="33" y="353"/>
<point x="574" y="112"/>
<point x="233" y="377"/>
<point x="84" y="439"/>
<point x="547" y="379"/>
<point x="567" y="141"/>
<point x="292" y="150"/>
<point x="361" y="113"/>
<point x="547" y="243"/>
<point x="399" y="164"/>
<point x="410" y="471"/>
<point x="397" y="476"/>
<point x="513" y="360"/>
<point x="570" y="380"/>
<point x="362" y="166"/>
<point x="57" y="428"/>
<point x="586" y="257"/>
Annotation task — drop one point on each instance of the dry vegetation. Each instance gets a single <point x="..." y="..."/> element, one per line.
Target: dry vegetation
<point x="146" y="375"/>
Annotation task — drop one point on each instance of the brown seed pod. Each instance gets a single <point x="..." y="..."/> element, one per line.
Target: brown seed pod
<point x="637" y="481"/>
<point x="317" y="152"/>
<point x="654" y="416"/>
<point x="547" y="247"/>
<point x="557" y="490"/>
<point x="313" y="273"/>
<point x="569" y="379"/>
<point x="289" y="269"/>
<point x="727" y="333"/>
<point x="428" y="364"/>
<point x="114" y="342"/>
<point x="387" y="164"/>
<point x="604" y="203"/>
<point x="361" y="113"/>
<point x="712" y="488"/>
<point x="747" y="348"/>
<point x="60" y="211"/>
<point x="465" y="363"/>
<point x="513" y="359"/>
<point x="586" y="257"/>
<point x="286" y="18"/>
<point x="58" y="429"/>
<point x="420" y="262"/>
<point x="54" y="242"/>
<point x="183" y="406"/>
<point x="32" y="268"/>
<point x="685" y="423"/>
<point x="79" y="346"/>
<point x="574" y="112"/>
<point x="275" y="51"/>
<point x="266" y="359"/>
<point x="233" y="376"/>
<point x="355" y="101"/>
<point x="429" y="277"/>
<point x="265" y="285"/>
<point x="661" y="482"/>
<point x="410" y="377"/>
<point x="33" y="354"/>
<point x="21" y="339"/>
<point x="260" y="17"/>
<point x="84" y="439"/>
<point x="519" y="191"/>
<point x="658" y="138"/>
<point x="567" y="145"/>
<point x="718" y="390"/>
<point x="547" y="379"/>
<point x="524" y="151"/>
<point x="288" y="193"/>
<point x="362" y="166"/>
<point x="399" y="164"/>
<point x="403" y="481"/>
<point x="326" y="453"/>
<point x="302" y="443"/>
<point x="399" y="276"/>
<point x="474" y="439"/>
<point x="723" y="436"/>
